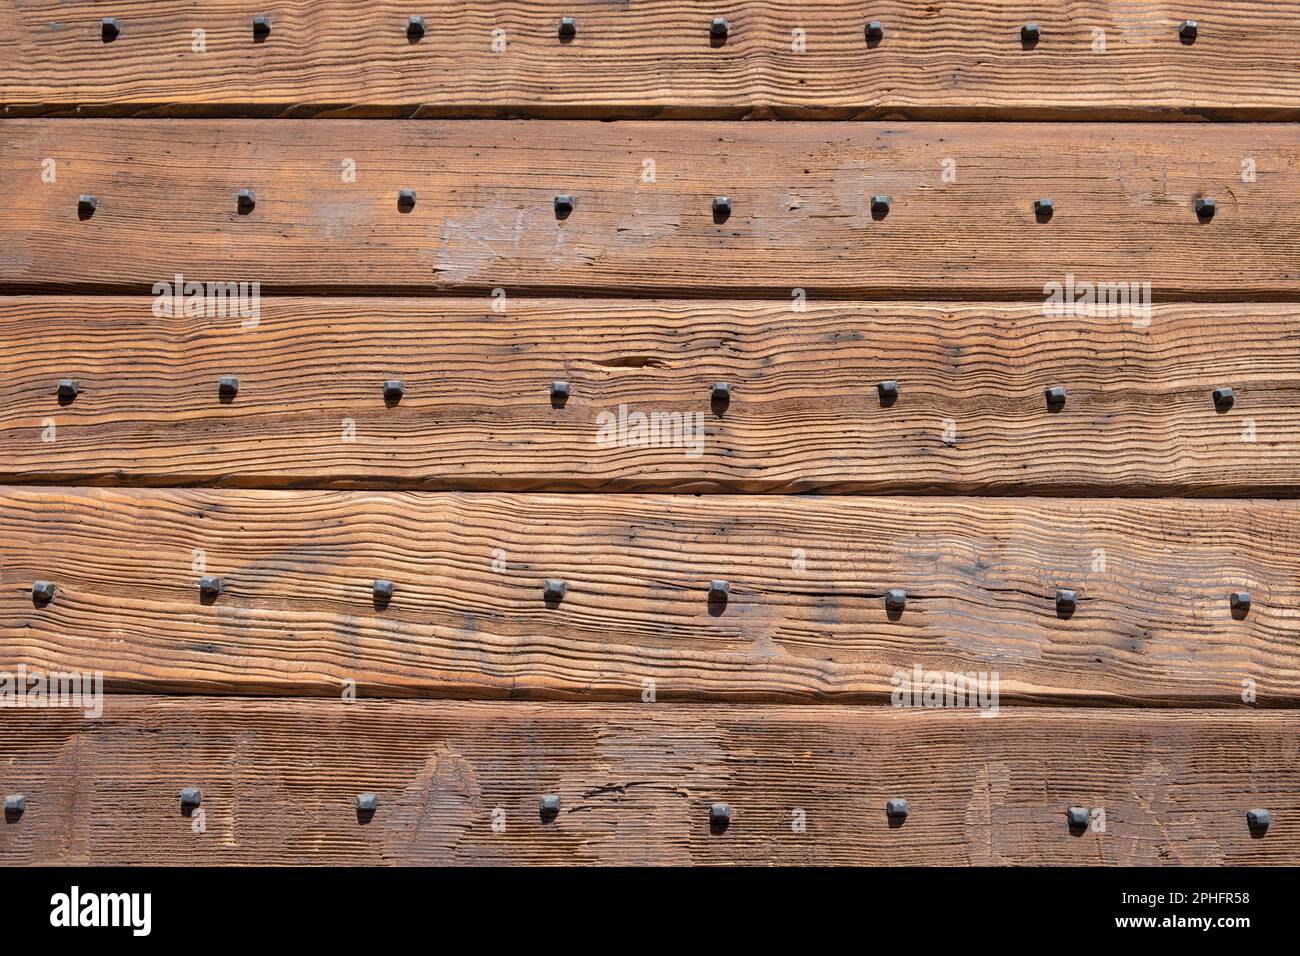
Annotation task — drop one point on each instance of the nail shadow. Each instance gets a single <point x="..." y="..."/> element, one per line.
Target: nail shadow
<point x="41" y="601"/>
<point x="1240" y="613"/>
<point x="66" y="400"/>
<point x="548" y="816"/>
<point x="1222" y="408"/>
<point x="208" y="598"/>
<point x="380" y="601"/>
<point x="888" y="401"/>
<point x="1043" y="215"/>
<point x="718" y="827"/>
<point x="1027" y="43"/>
<point x="552" y="602"/>
<point x="559" y="401"/>
<point x="879" y="214"/>
<point x="895" y="822"/>
<point x="392" y="401"/>
<point x="717" y="42"/>
<point x="720" y="217"/>
<point x="1065" y="613"/>
<point x="85" y="212"/>
<point x="717" y="604"/>
<point x="187" y="810"/>
<point x="365" y="816"/>
<point x="873" y="42"/>
<point x="1257" y="833"/>
<point x="893" y="613"/>
<point x="13" y="816"/>
<point x="1078" y="830"/>
<point x="719" y="406"/>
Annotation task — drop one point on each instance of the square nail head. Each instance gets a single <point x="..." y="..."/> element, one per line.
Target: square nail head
<point x="1030" y="33"/>
<point x="1223" y="397"/>
<point x="895" y="599"/>
<point x="406" y="199"/>
<point x="548" y="808"/>
<point x="191" y="797"/>
<point x="415" y="28"/>
<point x="1055" y="396"/>
<point x="721" y="391"/>
<point x="382" y="589"/>
<point x="719" y="815"/>
<point x="261" y="27"/>
<point x="554" y="589"/>
<point x="15" y="804"/>
<point x="109" y="29"/>
<point x="43" y="592"/>
<point x="568" y="27"/>
<point x="887" y="390"/>
<point x="367" y="803"/>
<point x="1066" y="599"/>
<point x="1205" y="207"/>
<point x="68" y="388"/>
<point x="394" y="389"/>
<point x="719" y="589"/>
<point x="1239" y="601"/>
<point x="209" y="585"/>
<point x="719" y="28"/>
<point x="1077" y="817"/>
<point x="896" y="809"/>
<point x="1258" y="819"/>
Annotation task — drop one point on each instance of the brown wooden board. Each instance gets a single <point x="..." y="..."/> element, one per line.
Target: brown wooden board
<point x="957" y="58"/>
<point x="806" y="412"/>
<point x="279" y="780"/>
<point x="801" y="200"/>
<point x="806" y="618"/>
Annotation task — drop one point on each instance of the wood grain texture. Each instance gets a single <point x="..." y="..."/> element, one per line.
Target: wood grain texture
<point x="801" y="216"/>
<point x="279" y="780"/>
<point x="805" y="413"/>
<point x="654" y="57"/>
<point x="805" y="621"/>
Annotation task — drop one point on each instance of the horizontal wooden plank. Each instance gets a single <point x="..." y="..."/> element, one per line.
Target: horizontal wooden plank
<point x="801" y="196"/>
<point x="805" y="413"/>
<point x="779" y="58"/>
<point x="279" y="781"/>
<point x="805" y="621"/>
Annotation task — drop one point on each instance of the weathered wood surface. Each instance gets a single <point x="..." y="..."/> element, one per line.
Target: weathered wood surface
<point x="655" y="57"/>
<point x="279" y="780"/>
<point x="800" y="192"/>
<point x="806" y="618"/>
<point x="805" y="412"/>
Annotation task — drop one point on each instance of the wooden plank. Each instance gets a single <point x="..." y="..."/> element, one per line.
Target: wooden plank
<point x="279" y="780"/>
<point x="800" y="192"/>
<point x="805" y="621"/>
<point x="805" y="414"/>
<point x="961" y="58"/>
